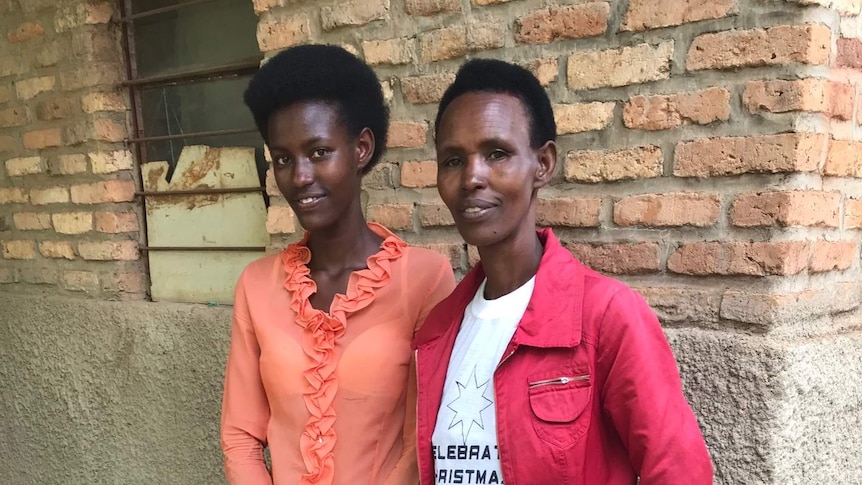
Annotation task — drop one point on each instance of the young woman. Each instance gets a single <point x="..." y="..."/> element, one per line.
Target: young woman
<point x="320" y="367"/>
<point x="556" y="374"/>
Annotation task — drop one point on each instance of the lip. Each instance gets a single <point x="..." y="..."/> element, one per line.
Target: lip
<point x="475" y="209"/>
<point x="307" y="202"/>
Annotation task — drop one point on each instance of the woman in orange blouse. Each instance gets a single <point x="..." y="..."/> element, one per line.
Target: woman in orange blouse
<point x="320" y="368"/>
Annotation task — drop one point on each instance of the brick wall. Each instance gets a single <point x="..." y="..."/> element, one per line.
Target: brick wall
<point x="68" y="216"/>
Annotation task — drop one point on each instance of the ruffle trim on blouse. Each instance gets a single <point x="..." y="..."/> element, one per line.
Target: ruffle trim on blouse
<point x="321" y="330"/>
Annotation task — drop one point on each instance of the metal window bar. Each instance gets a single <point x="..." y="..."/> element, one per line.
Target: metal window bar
<point x="135" y="86"/>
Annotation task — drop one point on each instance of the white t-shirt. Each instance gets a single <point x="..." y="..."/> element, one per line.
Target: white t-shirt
<point x="465" y="437"/>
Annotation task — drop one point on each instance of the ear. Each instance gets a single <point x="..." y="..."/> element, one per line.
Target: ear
<point x="547" y="158"/>
<point x="365" y="144"/>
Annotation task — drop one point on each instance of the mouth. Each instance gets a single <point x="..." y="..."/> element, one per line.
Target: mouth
<point x="308" y="201"/>
<point x="473" y="210"/>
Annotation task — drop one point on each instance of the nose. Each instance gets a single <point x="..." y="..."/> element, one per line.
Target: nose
<point x="475" y="174"/>
<point x="303" y="173"/>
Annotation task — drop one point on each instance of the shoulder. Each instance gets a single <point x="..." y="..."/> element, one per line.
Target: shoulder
<point x="260" y="270"/>
<point x="424" y="263"/>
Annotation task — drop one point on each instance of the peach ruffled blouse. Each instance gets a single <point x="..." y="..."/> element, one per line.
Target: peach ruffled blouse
<point x="333" y="395"/>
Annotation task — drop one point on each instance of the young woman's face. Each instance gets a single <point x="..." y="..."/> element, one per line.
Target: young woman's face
<point x="317" y="164"/>
<point x="487" y="171"/>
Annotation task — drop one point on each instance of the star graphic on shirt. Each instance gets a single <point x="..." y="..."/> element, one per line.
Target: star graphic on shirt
<point x="466" y="414"/>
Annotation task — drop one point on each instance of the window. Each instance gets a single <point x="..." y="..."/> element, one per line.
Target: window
<point x="200" y="157"/>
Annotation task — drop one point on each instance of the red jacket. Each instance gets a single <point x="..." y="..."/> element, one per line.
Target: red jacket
<point x="587" y="391"/>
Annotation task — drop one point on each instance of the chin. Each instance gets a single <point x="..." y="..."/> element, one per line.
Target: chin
<point x="479" y="236"/>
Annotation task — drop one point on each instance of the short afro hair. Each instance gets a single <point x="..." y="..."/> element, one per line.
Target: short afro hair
<point x="493" y="76"/>
<point x="324" y="73"/>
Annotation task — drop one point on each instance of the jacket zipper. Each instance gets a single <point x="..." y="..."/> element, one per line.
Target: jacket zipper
<point x="418" y="455"/>
<point x="558" y="381"/>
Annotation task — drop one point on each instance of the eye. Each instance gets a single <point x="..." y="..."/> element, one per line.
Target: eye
<point x="281" y="161"/>
<point x="451" y="162"/>
<point x="320" y="153"/>
<point x="497" y="155"/>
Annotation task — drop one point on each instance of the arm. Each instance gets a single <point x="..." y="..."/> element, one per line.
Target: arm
<point x="245" y="410"/>
<point x="643" y="396"/>
<point x="406" y="472"/>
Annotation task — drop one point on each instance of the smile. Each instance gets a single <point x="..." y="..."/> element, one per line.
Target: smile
<point x="308" y="202"/>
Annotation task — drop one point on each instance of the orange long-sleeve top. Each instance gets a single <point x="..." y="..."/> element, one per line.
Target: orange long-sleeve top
<point x="332" y="394"/>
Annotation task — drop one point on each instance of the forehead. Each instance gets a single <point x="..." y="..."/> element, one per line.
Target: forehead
<point x="483" y="115"/>
<point x="319" y="119"/>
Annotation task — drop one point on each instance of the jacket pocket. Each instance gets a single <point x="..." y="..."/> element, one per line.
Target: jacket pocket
<point x="561" y="407"/>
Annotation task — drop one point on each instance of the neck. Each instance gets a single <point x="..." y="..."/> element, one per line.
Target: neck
<point x="345" y="246"/>
<point x="511" y="263"/>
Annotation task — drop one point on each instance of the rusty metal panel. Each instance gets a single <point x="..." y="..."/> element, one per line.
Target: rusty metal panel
<point x="203" y="220"/>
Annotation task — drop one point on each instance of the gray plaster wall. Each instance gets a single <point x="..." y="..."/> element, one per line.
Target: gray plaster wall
<point x="96" y="392"/>
<point x="99" y="392"/>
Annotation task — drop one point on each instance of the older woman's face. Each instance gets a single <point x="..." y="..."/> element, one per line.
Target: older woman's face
<point x="487" y="170"/>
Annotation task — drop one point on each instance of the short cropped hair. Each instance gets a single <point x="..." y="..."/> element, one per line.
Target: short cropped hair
<point x="493" y="76"/>
<point x="324" y="73"/>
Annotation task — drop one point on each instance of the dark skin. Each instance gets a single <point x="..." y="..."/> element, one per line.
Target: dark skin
<point x="318" y="168"/>
<point x="488" y="176"/>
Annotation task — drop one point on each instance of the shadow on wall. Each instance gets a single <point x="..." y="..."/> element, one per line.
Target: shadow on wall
<point x="110" y="392"/>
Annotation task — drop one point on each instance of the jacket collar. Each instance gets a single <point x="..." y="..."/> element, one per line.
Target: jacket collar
<point x="553" y="316"/>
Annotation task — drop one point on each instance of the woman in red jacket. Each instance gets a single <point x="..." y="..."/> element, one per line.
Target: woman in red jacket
<point x="556" y="374"/>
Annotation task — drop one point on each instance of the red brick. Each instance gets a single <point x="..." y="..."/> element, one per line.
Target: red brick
<point x="68" y="164"/>
<point x="485" y="36"/>
<point x="5" y="94"/>
<point x="442" y="44"/>
<point x="593" y="166"/>
<point x="424" y="8"/>
<point x="619" y="67"/>
<point x="710" y="157"/>
<point x="102" y="74"/>
<point x="403" y="134"/>
<point x="72" y="222"/>
<point x="280" y="220"/>
<point x="77" y="14"/>
<point x="23" y="166"/>
<point x="19" y="249"/>
<point x="782" y="44"/>
<point x="844" y="159"/>
<point x="797" y="208"/>
<point x="109" y="162"/>
<point x="580" y="117"/>
<point x="38" y="139"/>
<point x="669" y="111"/>
<point x="57" y="250"/>
<point x="419" y="174"/>
<point x="393" y="216"/>
<point x="570" y="212"/>
<point x="425" y="89"/>
<point x="8" y="143"/>
<point x="25" y="32"/>
<point x="32" y="221"/>
<point x="626" y="258"/>
<point x="30" y="88"/>
<point x="472" y="256"/>
<point x="16" y="116"/>
<point x="699" y="258"/>
<point x="849" y="53"/>
<point x="833" y="256"/>
<point x="56" y="109"/>
<point x="109" y="250"/>
<point x="13" y="195"/>
<point x="96" y="102"/>
<point x="767" y="258"/>
<point x="545" y="70"/>
<point x="853" y="214"/>
<point x="353" y="13"/>
<point x="51" y="195"/>
<point x="108" y="191"/>
<point x="38" y="276"/>
<point x="489" y="2"/>
<point x="431" y="215"/>
<point x="740" y="258"/>
<point x="683" y="305"/>
<point x="382" y="176"/>
<point x="389" y="51"/>
<point x="812" y="95"/>
<point x="662" y="210"/>
<point x="261" y="6"/>
<point x="87" y="281"/>
<point x="115" y="222"/>
<point x="125" y="282"/>
<point x="279" y="29"/>
<point x="108" y="130"/>
<point x="570" y="22"/>
<point x="653" y="14"/>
